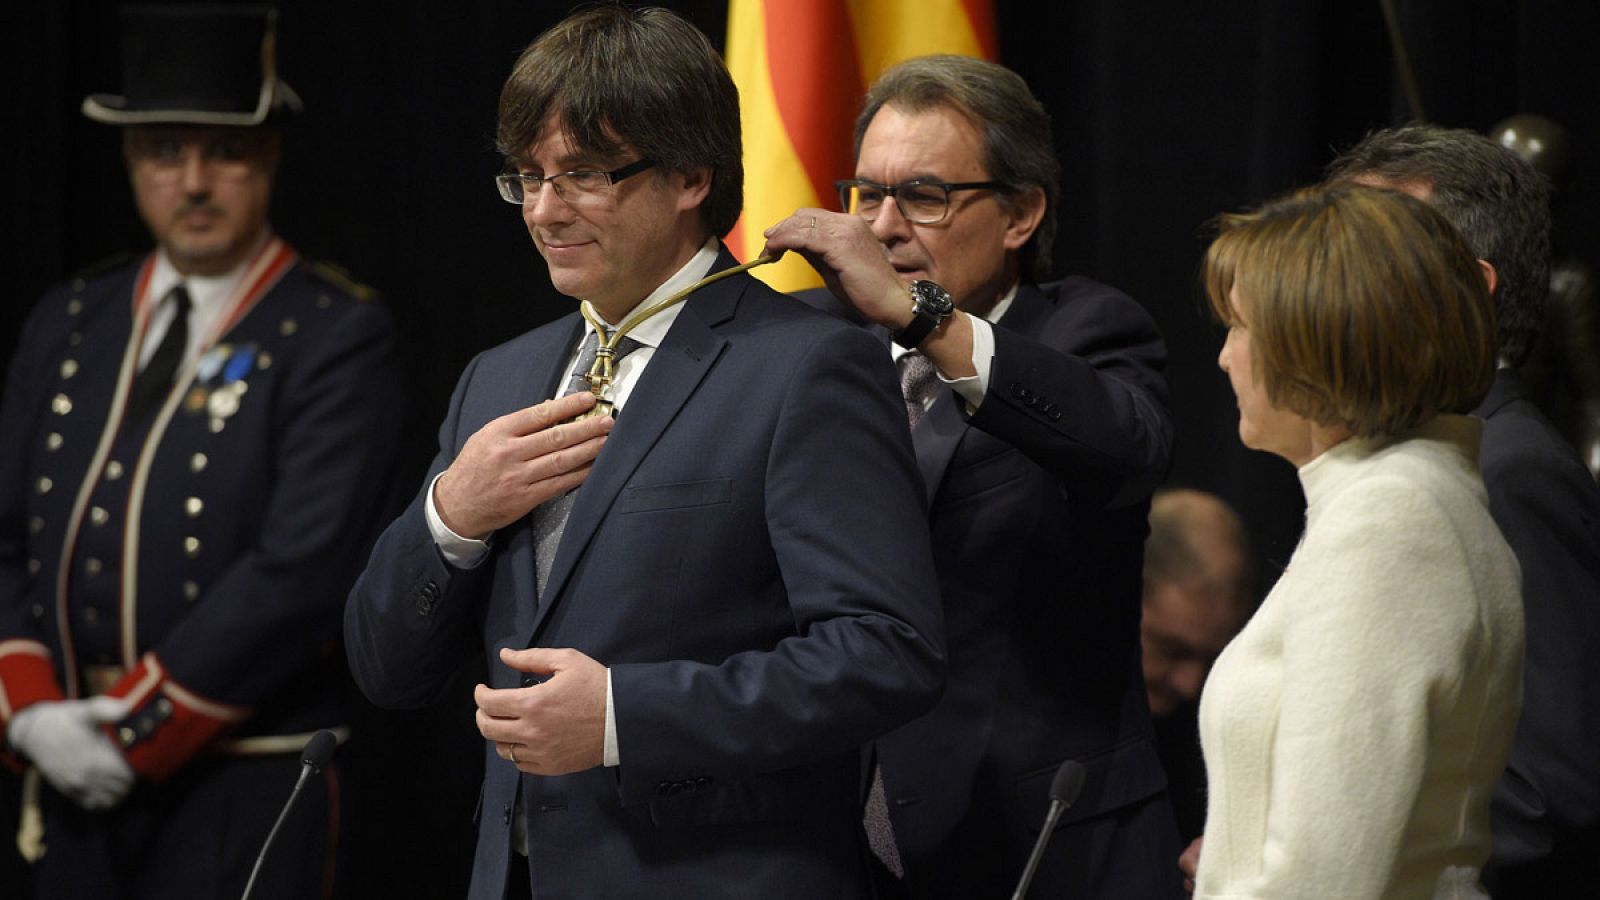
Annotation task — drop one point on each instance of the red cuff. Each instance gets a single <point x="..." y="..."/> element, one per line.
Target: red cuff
<point x="166" y="724"/>
<point x="26" y="677"/>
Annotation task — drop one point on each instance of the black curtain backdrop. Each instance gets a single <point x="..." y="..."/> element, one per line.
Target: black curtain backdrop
<point x="1165" y="113"/>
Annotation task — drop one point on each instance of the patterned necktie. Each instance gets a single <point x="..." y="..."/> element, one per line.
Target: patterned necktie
<point x="550" y="518"/>
<point x="919" y="380"/>
<point x="153" y="384"/>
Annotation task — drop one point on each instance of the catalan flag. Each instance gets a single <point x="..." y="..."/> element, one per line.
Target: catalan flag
<point x="802" y="67"/>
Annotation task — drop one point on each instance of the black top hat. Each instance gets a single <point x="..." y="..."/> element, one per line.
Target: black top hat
<point x="197" y="65"/>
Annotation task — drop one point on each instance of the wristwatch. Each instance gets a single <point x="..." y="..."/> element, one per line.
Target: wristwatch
<point x="930" y="306"/>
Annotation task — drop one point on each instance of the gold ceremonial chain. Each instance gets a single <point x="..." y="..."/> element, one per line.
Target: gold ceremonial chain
<point x="600" y="373"/>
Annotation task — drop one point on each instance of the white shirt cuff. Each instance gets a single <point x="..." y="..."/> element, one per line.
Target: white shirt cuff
<point x="611" y="758"/>
<point x="973" y="387"/>
<point x="458" y="551"/>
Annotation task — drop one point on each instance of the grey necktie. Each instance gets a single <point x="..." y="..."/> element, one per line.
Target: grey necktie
<point x="919" y="380"/>
<point x="550" y="518"/>
<point x="880" y="831"/>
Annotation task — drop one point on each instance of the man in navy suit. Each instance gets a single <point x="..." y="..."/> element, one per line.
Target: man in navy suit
<point x="695" y="610"/>
<point x="1546" y="808"/>
<point x="1041" y="429"/>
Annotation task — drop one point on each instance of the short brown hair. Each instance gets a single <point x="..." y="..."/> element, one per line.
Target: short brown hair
<point x="616" y="77"/>
<point x="1365" y="307"/>
<point x="1017" y="148"/>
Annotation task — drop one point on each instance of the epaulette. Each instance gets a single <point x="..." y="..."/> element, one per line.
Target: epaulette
<point x="341" y="279"/>
<point x="101" y="267"/>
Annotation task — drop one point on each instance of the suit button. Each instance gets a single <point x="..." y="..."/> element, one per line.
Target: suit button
<point x="1055" y="415"/>
<point x="1017" y="389"/>
<point x="424" y="606"/>
<point x="664" y="789"/>
<point x="505" y="814"/>
<point x="430" y="591"/>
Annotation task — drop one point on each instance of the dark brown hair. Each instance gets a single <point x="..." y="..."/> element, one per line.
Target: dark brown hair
<point x="645" y="80"/>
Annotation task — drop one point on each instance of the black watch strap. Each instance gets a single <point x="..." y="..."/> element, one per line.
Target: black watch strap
<point x="930" y="306"/>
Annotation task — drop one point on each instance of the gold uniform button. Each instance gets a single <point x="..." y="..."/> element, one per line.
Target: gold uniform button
<point x="75" y="306"/>
<point x="191" y="547"/>
<point x="35" y="525"/>
<point x="61" y="404"/>
<point x="74" y="339"/>
<point x="91" y="616"/>
<point x="93" y="566"/>
<point x="78" y="284"/>
<point x="53" y="441"/>
<point x="324" y="301"/>
<point x="44" y="485"/>
<point x="69" y="368"/>
<point x="194" y="506"/>
<point x="217" y="425"/>
<point x="191" y="591"/>
<point x="288" y="327"/>
<point x="33" y="567"/>
<point x="197" y="462"/>
<point x="127" y="736"/>
<point x="98" y="515"/>
<point x="264" y="361"/>
<point x="113" y="470"/>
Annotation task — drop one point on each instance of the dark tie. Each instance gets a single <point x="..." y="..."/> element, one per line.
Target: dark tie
<point x="550" y="518"/>
<point x="919" y="380"/>
<point x="153" y="384"/>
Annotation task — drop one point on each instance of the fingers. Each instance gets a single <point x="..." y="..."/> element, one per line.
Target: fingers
<point x="538" y="659"/>
<point x="551" y="413"/>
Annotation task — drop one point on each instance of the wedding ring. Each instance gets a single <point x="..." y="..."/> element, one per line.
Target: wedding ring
<point x="513" y="754"/>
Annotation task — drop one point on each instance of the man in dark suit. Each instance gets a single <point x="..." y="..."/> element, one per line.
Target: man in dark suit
<point x="1546" y="809"/>
<point x="686" y="653"/>
<point x="1041" y="429"/>
<point x="195" y="441"/>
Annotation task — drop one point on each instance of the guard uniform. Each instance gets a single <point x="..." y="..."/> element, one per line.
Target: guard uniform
<point x="195" y="562"/>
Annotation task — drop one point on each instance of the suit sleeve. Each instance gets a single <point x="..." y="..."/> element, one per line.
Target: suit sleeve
<point x="1085" y="396"/>
<point x="1549" y="511"/>
<point x="412" y="617"/>
<point x="27" y="673"/>
<point x="845" y="513"/>
<point x="277" y="609"/>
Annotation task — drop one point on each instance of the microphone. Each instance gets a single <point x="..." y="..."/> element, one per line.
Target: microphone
<point x="318" y="751"/>
<point x="1064" y="789"/>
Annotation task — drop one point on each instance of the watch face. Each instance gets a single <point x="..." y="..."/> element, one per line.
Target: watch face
<point x="932" y="298"/>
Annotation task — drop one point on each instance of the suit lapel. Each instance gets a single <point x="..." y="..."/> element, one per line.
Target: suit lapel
<point x="676" y="368"/>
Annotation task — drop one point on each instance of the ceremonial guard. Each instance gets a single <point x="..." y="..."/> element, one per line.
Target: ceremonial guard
<point x="196" y="442"/>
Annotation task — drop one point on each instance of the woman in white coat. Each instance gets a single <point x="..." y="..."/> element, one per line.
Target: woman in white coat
<point x="1354" y="730"/>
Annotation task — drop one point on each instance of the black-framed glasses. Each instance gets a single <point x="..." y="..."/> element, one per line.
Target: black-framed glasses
<point x="580" y="187"/>
<point x="921" y="200"/>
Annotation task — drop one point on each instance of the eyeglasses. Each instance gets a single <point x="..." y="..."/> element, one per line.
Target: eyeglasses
<point x="579" y="188"/>
<point x="921" y="200"/>
<point x="163" y="159"/>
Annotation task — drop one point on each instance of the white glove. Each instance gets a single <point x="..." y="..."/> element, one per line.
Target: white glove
<point x="64" y="740"/>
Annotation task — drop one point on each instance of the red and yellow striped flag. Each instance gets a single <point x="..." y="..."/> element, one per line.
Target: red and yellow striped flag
<point x="802" y="67"/>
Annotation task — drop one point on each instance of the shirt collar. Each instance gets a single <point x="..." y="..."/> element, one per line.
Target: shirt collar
<point x="651" y="331"/>
<point x="207" y="293"/>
